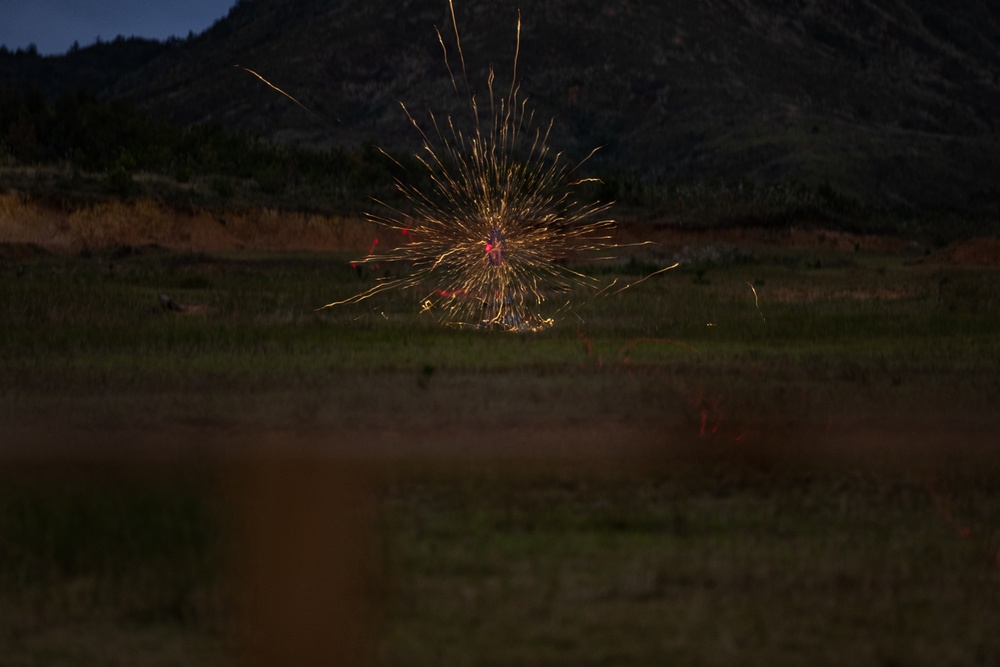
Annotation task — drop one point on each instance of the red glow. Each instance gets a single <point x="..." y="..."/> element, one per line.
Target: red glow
<point x="371" y="250"/>
<point x="940" y="493"/>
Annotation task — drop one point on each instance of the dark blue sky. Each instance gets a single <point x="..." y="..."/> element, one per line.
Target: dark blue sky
<point x="53" y="25"/>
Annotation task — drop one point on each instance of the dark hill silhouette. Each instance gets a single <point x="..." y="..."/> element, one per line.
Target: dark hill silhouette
<point x="93" y="68"/>
<point x="891" y="102"/>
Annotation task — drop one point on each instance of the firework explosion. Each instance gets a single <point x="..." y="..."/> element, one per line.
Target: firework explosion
<point x="489" y="236"/>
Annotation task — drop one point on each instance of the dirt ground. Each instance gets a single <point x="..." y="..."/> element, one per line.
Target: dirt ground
<point x="29" y="228"/>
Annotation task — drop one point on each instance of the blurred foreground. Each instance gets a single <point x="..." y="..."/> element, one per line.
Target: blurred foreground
<point x="776" y="453"/>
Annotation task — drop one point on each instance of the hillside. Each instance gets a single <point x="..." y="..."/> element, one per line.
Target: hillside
<point x="890" y="102"/>
<point x="94" y="68"/>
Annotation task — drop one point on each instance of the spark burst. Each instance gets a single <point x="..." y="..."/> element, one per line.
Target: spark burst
<point x="489" y="236"/>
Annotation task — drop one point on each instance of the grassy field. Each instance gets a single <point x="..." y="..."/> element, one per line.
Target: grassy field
<point x="774" y="456"/>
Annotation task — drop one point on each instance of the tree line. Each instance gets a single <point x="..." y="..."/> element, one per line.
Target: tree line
<point x="114" y="141"/>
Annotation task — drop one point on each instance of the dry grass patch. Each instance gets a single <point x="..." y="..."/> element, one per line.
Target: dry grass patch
<point x="145" y="221"/>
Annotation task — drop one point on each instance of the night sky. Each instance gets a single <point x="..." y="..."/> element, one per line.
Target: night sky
<point x="53" y="25"/>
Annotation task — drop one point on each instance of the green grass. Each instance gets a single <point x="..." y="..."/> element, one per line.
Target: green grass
<point x="678" y="474"/>
<point x="259" y="316"/>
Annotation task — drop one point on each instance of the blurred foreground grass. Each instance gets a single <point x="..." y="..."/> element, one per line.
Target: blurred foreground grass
<point x="764" y="459"/>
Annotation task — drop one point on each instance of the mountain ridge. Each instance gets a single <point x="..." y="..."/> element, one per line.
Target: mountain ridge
<point x="888" y="102"/>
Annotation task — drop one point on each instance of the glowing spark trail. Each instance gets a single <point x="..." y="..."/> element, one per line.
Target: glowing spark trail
<point x="490" y="235"/>
<point x="274" y="87"/>
<point x="756" y="300"/>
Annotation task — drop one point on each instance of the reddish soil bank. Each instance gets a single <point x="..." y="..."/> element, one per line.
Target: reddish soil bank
<point x="29" y="229"/>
